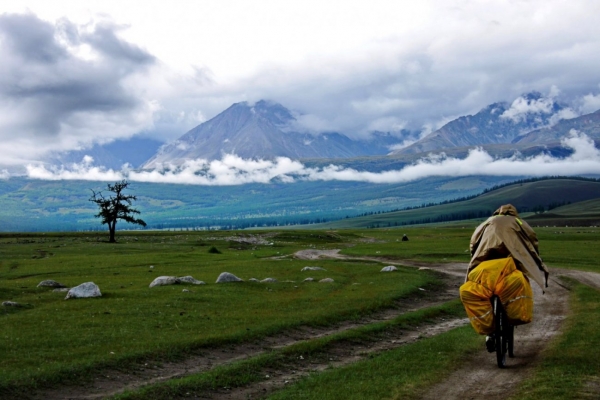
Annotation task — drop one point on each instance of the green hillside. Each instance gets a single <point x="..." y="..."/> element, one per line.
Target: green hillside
<point x="36" y="205"/>
<point x="570" y="201"/>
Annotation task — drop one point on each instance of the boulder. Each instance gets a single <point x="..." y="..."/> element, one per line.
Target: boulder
<point x="190" y="279"/>
<point x="11" y="304"/>
<point x="326" y="280"/>
<point x="51" y="283"/>
<point x="309" y="280"/>
<point x="227" y="277"/>
<point x="312" y="269"/>
<point x="253" y="280"/>
<point x="269" y="280"/>
<point x="389" y="268"/>
<point x="85" y="290"/>
<point x="165" y="280"/>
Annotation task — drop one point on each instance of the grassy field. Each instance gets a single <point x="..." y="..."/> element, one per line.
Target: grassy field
<point x="50" y="340"/>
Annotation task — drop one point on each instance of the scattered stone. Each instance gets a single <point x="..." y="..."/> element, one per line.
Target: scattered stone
<point x="11" y="304"/>
<point x="151" y="267"/>
<point x="309" y="280"/>
<point x="227" y="277"/>
<point x="85" y="290"/>
<point x="190" y="279"/>
<point x="389" y="268"/>
<point x="326" y="280"/>
<point x="51" y="283"/>
<point x="312" y="269"/>
<point x="165" y="280"/>
<point x="253" y="280"/>
<point x="62" y="289"/>
<point x="173" y="280"/>
<point x="185" y="290"/>
<point x="269" y="280"/>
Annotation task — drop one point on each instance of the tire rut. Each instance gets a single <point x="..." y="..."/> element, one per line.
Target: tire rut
<point x="106" y="383"/>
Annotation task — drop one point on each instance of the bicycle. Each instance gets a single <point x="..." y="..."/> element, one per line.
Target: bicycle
<point x="504" y="333"/>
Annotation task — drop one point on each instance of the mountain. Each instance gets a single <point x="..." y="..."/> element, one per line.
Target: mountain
<point x="497" y="123"/>
<point x="264" y="130"/>
<point x="549" y="136"/>
<point x="133" y="151"/>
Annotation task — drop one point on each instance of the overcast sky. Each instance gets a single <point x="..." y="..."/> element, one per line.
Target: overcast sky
<point x="73" y="73"/>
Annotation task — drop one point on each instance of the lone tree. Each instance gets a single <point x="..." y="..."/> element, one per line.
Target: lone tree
<point x="115" y="207"/>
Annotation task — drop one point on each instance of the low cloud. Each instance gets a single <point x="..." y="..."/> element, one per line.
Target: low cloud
<point x="233" y="170"/>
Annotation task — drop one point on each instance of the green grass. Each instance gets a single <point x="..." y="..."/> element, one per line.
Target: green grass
<point x="425" y="244"/>
<point x="253" y="370"/>
<point x="570" y="368"/>
<point x="52" y="339"/>
<point x="402" y="373"/>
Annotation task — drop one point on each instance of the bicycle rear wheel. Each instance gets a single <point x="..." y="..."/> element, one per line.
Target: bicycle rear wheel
<point x="500" y="334"/>
<point x="511" y="340"/>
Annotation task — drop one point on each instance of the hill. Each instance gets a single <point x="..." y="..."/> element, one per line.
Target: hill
<point x="35" y="205"/>
<point x="580" y="201"/>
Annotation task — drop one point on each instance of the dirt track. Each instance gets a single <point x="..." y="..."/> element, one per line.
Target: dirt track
<point x="550" y="310"/>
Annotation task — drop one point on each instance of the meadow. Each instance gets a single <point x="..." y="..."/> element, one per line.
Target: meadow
<point x="49" y="341"/>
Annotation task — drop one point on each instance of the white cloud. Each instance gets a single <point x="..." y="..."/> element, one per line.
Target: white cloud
<point x="347" y="66"/>
<point x="232" y="170"/>
<point x="521" y="108"/>
<point x="590" y="103"/>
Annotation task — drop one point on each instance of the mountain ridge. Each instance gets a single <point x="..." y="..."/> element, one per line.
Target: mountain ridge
<point x="265" y="130"/>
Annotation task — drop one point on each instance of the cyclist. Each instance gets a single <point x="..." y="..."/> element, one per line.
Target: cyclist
<point x="502" y="235"/>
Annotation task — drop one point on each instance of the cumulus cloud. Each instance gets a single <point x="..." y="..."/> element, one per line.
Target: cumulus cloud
<point x="63" y="86"/>
<point x="590" y="103"/>
<point x="377" y="65"/>
<point x="233" y="170"/>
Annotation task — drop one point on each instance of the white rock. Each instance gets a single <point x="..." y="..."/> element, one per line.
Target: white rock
<point x="227" y="277"/>
<point x="165" y="280"/>
<point x="326" y="280"/>
<point x="190" y="279"/>
<point x="269" y="280"/>
<point x="309" y="280"/>
<point x="11" y="304"/>
<point x="312" y="269"/>
<point x="389" y="268"/>
<point x="85" y="290"/>
<point x="253" y="280"/>
<point x="51" y="283"/>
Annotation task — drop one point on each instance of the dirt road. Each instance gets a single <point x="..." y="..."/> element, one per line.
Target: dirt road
<point x="550" y="310"/>
<point x="481" y="378"/>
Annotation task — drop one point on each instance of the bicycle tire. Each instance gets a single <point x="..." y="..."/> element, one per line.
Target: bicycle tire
<point x="511" y="340"/>
<point x="500" y="335"/>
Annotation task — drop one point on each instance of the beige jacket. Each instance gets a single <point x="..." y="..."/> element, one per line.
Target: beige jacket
<point x="505" y="234"/>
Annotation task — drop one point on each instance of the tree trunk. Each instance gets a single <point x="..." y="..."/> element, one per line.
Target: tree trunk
<point x="111" y="228"/>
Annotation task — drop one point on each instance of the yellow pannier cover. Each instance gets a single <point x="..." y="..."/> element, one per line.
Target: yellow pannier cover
<point x="476" y="300"/>
<point x="502" y="278"/>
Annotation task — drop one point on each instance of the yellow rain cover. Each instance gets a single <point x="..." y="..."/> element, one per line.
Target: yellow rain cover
<point x="499" y="277"/>
<point x="476" y="300"/>
<point x="516" y="297"/>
